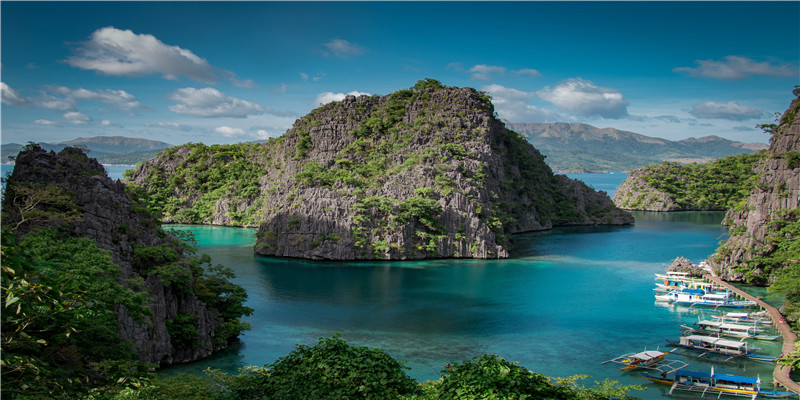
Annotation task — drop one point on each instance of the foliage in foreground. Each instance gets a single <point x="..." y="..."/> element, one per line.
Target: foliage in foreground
<point x="334" y="370"/>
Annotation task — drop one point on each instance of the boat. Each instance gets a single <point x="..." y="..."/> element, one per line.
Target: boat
<point x="646" y="359"/>
<point x="699" y="297"/>
<point x="716" y="384"/>
<point x="720" y="328"/>
<point x="757" y="318"/>
<point x="673" y="275"/>
<point x="719" y="346"/>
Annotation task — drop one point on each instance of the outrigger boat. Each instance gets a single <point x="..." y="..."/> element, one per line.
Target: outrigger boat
<point x="724" y="347"/>
<point x="698" y="297"/>
<point x="759" y="318"/>
<point x="645" y="359"/>
<point x="731" y="330"/>
<point x="716" y="384"/>
<point x="682" y="276"/>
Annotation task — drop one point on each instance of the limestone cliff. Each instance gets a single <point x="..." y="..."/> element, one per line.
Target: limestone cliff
<point x="427" y="172"/>
<point x="103" y="211"/>
<point x="772" y="203"/>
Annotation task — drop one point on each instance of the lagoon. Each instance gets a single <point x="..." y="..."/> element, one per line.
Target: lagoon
<point x="567" y="300"/>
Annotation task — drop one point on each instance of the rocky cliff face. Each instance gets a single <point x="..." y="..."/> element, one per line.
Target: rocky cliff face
<point x="777" y="193"/>
<point x="106" y="214"/>
<point x="635" y="193"/>
<point x="420" y="173"/>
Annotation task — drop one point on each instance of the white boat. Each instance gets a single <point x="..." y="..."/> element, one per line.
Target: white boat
<point x="757" y="318"/>
<point x="728" y="329"/>
<point x="698" y="297"/>
<point x="724" y="347"/>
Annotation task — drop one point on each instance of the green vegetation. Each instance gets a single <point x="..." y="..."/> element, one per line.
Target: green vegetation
<point x="59" y="300"/>
<point x="207" y="175"/>
<point x="717" y="185"/>
<point x="334" y="370"/>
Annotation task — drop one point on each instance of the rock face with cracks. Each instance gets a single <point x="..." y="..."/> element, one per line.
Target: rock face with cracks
<point x="107" y="214"/>
<point x="427" y="172"/>
<point x="773" y="201"/>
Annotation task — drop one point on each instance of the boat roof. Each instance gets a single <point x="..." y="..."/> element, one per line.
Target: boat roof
<point x="648" y="354"/>
<point x="725" y="325"/>
<point x="693" y="291"/>
<point x="692" y="374"/>
<point x="737" y="378"/>
<point x="714" y="340"/>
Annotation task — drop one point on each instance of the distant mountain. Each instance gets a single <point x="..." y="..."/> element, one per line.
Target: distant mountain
<point x="107" y="149"/>
<point x="577" y="147"/>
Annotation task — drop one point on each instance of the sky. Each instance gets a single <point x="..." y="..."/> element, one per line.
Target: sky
<point x="226" y="72"/>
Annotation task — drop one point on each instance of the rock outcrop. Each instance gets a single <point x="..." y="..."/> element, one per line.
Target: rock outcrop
<point x="105" y="212"/>
<point x="422" y="173"/>
<point x="635" y="193"/>
<point x="775" y="197"/>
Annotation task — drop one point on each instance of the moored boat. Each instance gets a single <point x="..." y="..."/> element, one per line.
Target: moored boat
<point x="645" y="359"/>
<point x="724" y="347"/>
<point x="698" y="297"/>
<point x="758" y="318"/>
<point x="719" y="328"/>
<point x="716" y="384"/>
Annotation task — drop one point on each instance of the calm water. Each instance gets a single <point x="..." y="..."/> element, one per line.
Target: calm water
<point x="567" y="300"/>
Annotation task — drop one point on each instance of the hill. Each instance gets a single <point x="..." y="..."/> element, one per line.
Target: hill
<point x="107" y="149"/>
<point x="421" y="173"/>
<point x="575" y="147"/>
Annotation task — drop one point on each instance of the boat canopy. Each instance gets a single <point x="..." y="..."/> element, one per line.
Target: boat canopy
<point x="717" y="341"/>
<point x="648" y="354"/>
<point x="737" y="379"/>
<point x="693" y="374"/>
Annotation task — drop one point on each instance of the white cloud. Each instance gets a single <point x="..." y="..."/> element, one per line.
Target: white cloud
<point x="45" y="122"/>
<point x="113" y="51"/>
<point x="210" y="102"/>
<point x="65" y="99"/>
<point x="737" y="68"/>
<point x="730" y="110"/>
<point x="227" y="131"/>
<point x="529" y="72"/>
<point x="342" y="48"/>
<point x="484" y="72"/>
<point x="77" y="118"/>
<point x="512" y="105"/>
<point x="327" y="97"/>
<point x="11" y="97"/>
<point x="584" y="98"/>
<point x="118" y="98"/>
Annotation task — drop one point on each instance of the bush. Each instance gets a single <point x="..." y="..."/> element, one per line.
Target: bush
<point x="335" y="370"/>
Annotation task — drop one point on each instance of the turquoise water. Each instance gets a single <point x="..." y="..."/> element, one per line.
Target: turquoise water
<point x="567" y="300"/>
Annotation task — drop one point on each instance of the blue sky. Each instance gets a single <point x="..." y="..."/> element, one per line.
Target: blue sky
<point x="216" y="72"/>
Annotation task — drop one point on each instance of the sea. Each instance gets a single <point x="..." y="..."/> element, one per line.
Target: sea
<point x="566" y="300"/>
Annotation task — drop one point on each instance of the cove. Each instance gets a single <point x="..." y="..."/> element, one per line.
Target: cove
<point x="567" y="300"/>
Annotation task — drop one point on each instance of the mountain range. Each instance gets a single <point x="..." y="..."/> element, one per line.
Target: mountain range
<point x="569" y="147"/>
<point x="575" y="147"/>
<point x="107" y="149"/>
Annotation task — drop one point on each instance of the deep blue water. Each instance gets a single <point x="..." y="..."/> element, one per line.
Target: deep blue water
<point x="567" y="300"/>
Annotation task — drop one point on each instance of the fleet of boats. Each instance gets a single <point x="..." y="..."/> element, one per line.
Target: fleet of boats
<point x="722" y="338"/>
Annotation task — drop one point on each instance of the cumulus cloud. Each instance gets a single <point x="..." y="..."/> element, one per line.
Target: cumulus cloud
<point x="584" y="98"/>
<point x="11" y="97"/>
<point x="484" y="72"/>
<point x="63" y="98"/>
<point x="342" y="48"/>
<point x="737" y="68"/>
<point x="210" y="102"/>
<point x="229" y="132"/>
<point x="117" y="98"/>
<point x="327" y="97"/>
<point x="512" y="104"/>
<point x="730" y="110"/>
<point x="76" y="118"/>
<point x="113" y="51"/>
<point x="528" y="72"/>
